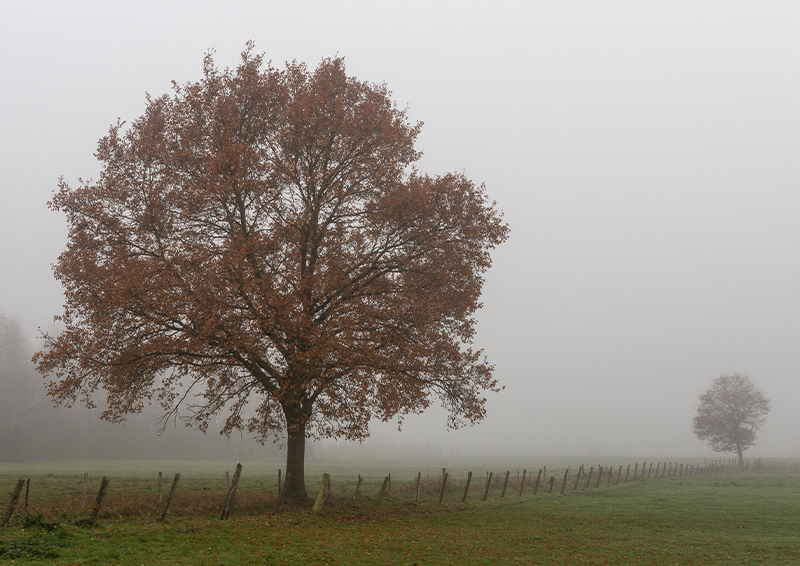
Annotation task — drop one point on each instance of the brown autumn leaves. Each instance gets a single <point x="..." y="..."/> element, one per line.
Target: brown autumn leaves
<point x="261" y="238"/>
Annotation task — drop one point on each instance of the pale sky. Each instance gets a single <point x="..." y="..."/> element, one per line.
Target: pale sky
<point x="646" y="155"/>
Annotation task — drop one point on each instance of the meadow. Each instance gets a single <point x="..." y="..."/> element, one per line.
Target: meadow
<point x="729" y="517"/>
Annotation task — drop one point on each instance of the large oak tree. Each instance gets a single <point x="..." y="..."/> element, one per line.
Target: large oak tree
<point x="259" y="245"/>
<point x="729" y="414"/>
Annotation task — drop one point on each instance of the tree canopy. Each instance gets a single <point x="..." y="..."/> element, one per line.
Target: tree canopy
<point x="729" y="414"/>
<point x="260" y="245"/>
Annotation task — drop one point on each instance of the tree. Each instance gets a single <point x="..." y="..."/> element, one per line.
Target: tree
<point x="729" y="414"/>
<point x="259" y="245"/>
<point x="19" y="394"/>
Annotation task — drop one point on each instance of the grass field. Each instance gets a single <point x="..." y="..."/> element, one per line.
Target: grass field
<point x="725" y="519"/>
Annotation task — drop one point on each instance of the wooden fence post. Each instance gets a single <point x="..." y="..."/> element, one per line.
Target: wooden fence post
<point x="619" y="473"/>
<point x="649" y="470"/>
<point x="589" y="479"/>
<point x="383" y="490"/>
<point x="577" y="479"/>
<point x="226" y="508"/>
<point x="552" y="481"/>
<point x="317" y="509"/>
<point x="536" y="484"/>
<point x="419" y="483"/>
<point x="505" y="483"/>
<point x="635" y="468"/>
<point x="282" y="493"/>
<point x="599" y="475"/>
<point x="101" y="495"/>
<point x="488" y="484"/>
<point x="522" y="484"/>
<point x="627" y="472"/>
<point x="27" y="491"/>
<point x="466" y="489"/>
<point x="358" y="486"/>
<point x="564" y="483"/>
<point x="169" y="497"/>
<point x="610" y="474"/>
<point x="14" y="498"/>
<point x="444" y="484"/>
<point x="658" y="467"/>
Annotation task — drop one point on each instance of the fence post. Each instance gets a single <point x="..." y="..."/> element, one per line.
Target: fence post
<point x="552" y="481"/>
<point x="282" y="493"/>
<point x="14" y="498"/>
<point x="599" y="475"/>
<point x="27" y="490"/>
<point x="444" y="483"/>
<point x="580" y="469"/>
<point x="522" y="484"/>
<point x="589" y="479"/>
<point x="101" y="495"/>
<point x="610" y="473"/>
<point x="649" y="470"/>
<point x="505" y="483"/>
<point x="466" y="489"/>
<point x="358" y="486"/>
<point x="564" y="483"/>
<point x="169" y="497"/>
<point x="488" y="484"/>
<point x="419" y="483"/>
<point x="226" y="508"/>
<point x="326" y="478"/>
<point x="536" y="485"/>
<point x="627" y="472"/>
<point x="383" y="490"/>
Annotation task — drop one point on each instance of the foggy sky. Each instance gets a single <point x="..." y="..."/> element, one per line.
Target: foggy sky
<point x="646" y="155"/>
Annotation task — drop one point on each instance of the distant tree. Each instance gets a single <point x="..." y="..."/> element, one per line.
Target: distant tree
<point x="729" y="414"/>
<point x="262" y="236"/>
<point x="19" y="393"/>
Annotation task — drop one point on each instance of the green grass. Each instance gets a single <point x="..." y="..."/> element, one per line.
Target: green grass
<point x="747" y="519"/>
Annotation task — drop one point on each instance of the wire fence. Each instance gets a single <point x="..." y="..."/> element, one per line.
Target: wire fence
<point x="69" y="495"/>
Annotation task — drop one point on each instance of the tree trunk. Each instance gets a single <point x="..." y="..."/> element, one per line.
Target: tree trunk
<point x="295" y="461"/>
<point x="741" y="455"/>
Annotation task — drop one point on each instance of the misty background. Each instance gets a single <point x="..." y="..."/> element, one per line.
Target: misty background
<point x="646" y="156"/>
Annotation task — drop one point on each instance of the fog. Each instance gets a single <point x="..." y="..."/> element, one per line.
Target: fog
<point x="646" y="156"/>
